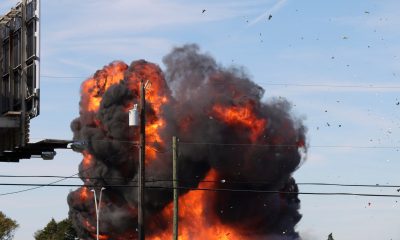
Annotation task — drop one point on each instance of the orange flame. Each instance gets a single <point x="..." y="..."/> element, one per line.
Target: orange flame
<point x="93" y="88"/>
<point x="156" y="95"/>
<point x="195" y="217"/>
<point x="243" y="116"/>
<point x="87" y="159"/>
<point x="84" y="194"/>
<point x="101" y="236"/>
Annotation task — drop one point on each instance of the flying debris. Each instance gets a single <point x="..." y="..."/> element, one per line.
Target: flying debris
<point x="366" y="12"/>
<point x="330" y="237"/>
<point x="204" y="10"/>
<point x="270" y="17"/>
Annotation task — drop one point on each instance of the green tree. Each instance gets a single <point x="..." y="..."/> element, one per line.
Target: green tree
<point x="62" y="230"/>
<point x="7" y="227"/>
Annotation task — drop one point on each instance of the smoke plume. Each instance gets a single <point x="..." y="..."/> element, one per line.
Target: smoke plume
<point x="229" y="139"/>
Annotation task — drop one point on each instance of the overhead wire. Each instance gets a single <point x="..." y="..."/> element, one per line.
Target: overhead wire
<point x="370" y="86"/>
<point x="44" y="185"/>
<point x="209" y="189"/>
<point x="136" y="143"/>
<point x="216" y="144"/>
<point x="287" y="145"/>
<point x="206" y="181"/>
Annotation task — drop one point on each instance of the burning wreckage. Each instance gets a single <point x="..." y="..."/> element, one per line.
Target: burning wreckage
<point x="230" y="139"/>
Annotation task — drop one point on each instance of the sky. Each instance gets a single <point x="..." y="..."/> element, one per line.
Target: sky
<point x="338" y="62"/>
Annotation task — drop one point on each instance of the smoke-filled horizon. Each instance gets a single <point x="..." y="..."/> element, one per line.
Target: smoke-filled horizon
<point x="199" y="101"/>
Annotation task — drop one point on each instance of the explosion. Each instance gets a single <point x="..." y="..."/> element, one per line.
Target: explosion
<point x="229" y="139"/>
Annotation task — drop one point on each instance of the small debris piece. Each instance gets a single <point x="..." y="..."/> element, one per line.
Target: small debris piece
<point x="366" y="12"/>
<point x="269" y="17"/>
<point x="203" y="11"/>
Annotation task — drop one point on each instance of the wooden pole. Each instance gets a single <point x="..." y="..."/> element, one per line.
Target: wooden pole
<point x="141" y="229"/>
<point x="175" y="186"/>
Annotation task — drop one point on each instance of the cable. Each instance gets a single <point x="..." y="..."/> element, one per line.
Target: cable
<point x="348" y="185"/>
<point x="286" y="145"/>
<point x="49" y="184"/>
<point x="206" y="181"/>
<point x="371" y="86"/>
<point x="49" y="76"/>
<point x="333" y="86"/>
<point x="234" y="144"/>
<point x="209" y="189"/>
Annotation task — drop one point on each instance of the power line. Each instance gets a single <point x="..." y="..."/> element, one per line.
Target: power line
<point x="135" y="143"/>
<point x="209" y="189"/>
<point x="44" y="185"/>
<point x="348" y="185"/>
<point x="206" y="181"/>
<point x="370" y="86"/>
<point x="288" y="145"/>
<point x="50" y="76"/>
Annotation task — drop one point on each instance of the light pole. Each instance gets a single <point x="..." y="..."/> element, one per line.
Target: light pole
<point x="97" y="209"/>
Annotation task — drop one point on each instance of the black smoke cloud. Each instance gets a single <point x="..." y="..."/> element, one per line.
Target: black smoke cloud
<point x="194" y="83"/>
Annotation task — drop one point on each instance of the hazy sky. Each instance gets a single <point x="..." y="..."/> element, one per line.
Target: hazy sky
<point x="340" y="61"/>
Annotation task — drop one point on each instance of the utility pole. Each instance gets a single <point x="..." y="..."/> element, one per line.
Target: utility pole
<point x="141" y="229"/>
<point x="138" y="119"/>
<point x="175" y="186"/>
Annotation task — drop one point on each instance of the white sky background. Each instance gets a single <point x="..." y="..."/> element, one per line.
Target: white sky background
<point x="328" y="43"/>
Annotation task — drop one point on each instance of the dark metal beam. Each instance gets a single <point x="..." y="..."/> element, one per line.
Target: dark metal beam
<point x="44" y="149"/>
<point x="9" y="122"/>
